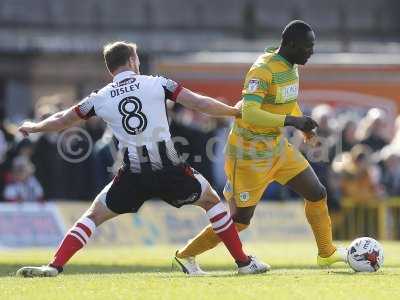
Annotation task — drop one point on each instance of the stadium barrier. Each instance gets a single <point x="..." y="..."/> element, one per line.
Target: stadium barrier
<point x="26" y="225"/>
<point x="44" y="225"/>
<point x="30" y="225"/>
<point x="379" y="219"/>
<point x="159" y="223"/>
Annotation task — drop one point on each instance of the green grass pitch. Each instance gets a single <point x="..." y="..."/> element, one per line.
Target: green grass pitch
<point x="145" y="273"/>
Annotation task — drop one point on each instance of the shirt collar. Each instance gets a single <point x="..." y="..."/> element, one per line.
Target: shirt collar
<point x="281" y="58"/>
<point x="123" y="75"/>
<point x="274" y="50"/>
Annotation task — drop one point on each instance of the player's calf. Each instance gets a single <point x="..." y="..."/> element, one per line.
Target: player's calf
<point x="222" y="224"/>
<point x="75" y="239"/>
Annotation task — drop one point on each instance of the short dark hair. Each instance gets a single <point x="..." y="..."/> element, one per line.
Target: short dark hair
<point x="117" y="54"/>
<point x="295" y="29"/>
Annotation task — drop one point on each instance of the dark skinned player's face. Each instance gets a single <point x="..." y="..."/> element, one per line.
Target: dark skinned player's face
<point x="303" y="48"/>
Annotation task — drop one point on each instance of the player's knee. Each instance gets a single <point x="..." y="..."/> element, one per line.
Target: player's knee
<point x="245" y="220"/>
<point x="242" y="217"/>
<point x="209" y="199"/>
<point x="318" y="194"/>
<point x="99" y="214"/>
<point x="94" y="216"/>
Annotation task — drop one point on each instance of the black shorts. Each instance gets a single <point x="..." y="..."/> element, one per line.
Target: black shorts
<point x="176" y="185"/>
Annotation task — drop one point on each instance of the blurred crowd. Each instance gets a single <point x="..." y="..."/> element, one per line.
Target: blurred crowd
<point x="357" y="156"/>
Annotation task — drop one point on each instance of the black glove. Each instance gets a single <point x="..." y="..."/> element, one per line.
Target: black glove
<point x="305" y="124"/>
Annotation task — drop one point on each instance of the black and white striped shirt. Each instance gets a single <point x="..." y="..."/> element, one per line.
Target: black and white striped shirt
<point x="134" y="107"/>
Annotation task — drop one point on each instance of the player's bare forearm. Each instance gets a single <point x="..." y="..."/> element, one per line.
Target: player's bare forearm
<point x="216" y="108"/>
<point x="56" y="122"/>
<point x="206" y="104"/>
<point x="53" y="123"/>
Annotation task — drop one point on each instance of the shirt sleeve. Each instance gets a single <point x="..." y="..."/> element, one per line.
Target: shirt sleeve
<point x="171" y="88"/>
<point x="85" y="108"/>
<point x="252" y="114"/>
<point x="256" y="85"/>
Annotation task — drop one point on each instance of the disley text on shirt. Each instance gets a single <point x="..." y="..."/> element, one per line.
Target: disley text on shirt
<point x="124" y="89"/>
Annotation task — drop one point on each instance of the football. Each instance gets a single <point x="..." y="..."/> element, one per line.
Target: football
<point x="365" y="255"/>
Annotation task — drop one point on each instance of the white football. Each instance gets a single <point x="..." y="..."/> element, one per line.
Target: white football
<point x="365" y="255"/>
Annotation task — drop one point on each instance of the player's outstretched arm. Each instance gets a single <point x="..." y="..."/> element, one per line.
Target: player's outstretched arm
<point x="56" y="122"/>
<point x="206" y="104"/>
<point x="253" y="114"/>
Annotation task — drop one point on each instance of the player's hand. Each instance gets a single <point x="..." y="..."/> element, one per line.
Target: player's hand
<point x="238" y="106"/>
<point x="27" y="127"/>
<point x="311" y="139"/>
<point x="305" y="124"/>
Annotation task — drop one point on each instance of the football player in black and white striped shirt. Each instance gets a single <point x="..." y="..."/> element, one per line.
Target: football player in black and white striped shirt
<point x="134" y="108"/>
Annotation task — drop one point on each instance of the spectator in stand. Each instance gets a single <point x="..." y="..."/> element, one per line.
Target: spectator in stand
<point x="95" y="128"/>
<point x="349" y="139"/>
<point x="8" y="132"/>
<point x="61" y="179"/>
<point x="106" y="158"/>
<point x="3" y="148"/>
<point x="395" y="143"/>
<point x="325" y="116"/>
<point x="50" y="167"/>
<point x="390" y="166"/>
<point x="7" y="140"/>
<point x="24" y="147"/>
<point x="372" y="130"/>
<point x="358" y="176"/>
<point x="4" y="162"/>
<point x="24" y="187"/>
<point x="390" y="163"/>
<point x="191" y="132"/>
<point x="321" y="155"/>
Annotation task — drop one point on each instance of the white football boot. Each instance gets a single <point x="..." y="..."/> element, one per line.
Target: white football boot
<point x="43" y="271"/>
<point x="254" y="267"/>
<point x="188" y="265"/>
